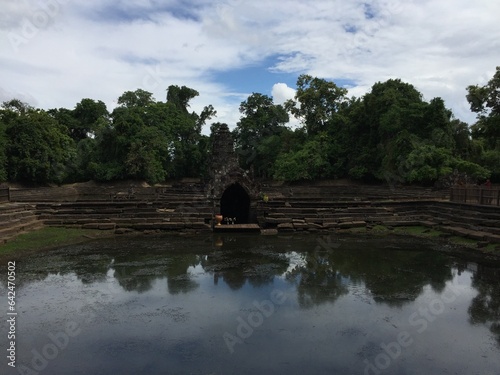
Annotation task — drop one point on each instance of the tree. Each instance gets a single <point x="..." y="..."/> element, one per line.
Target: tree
<point x="132" y="145"/>
<point x="3" y="151"/>
<point x="152" y="140"/>
<point x="188" y="148"/>
<point x="316" y="102"/>
<point x="258" y="133"/>
<point x="307" y="163"/>
<point x="180" y="96"/>
<point x="485" y="101"/>
<point x="90" y="115"/>
<point x="137" y="98"/>
<point x="38" y="146"/>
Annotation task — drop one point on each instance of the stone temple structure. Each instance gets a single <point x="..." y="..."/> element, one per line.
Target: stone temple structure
<point x="233" y="192"/>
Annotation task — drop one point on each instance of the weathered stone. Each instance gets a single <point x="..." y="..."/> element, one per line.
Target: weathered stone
<point x="107" y="226"/>
<point x="314" y="226"/>
<point x="285" y="227"/>
<point x="352" y="224"/>
<point x="345" y="219"/>
<point x="91" y="226"/>
<point x="300" y="225"/>
<point x="275" y="220"/>
<point x="329" y="225"/>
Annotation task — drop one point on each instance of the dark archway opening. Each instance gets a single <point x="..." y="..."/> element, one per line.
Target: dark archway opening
<point x="235" y="203"/>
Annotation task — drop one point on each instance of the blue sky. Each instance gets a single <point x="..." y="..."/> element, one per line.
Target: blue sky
<point x="53" y="53"/>
<point x="255" y="77"/>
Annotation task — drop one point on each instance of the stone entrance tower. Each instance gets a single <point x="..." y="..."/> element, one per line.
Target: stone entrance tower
<point x="234" y="194"/>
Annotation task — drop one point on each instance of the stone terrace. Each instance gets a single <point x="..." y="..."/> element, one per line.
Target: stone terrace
<point x="17" y="218"/>
<point x="336" y="208"/>
<point x="289" y="208"/>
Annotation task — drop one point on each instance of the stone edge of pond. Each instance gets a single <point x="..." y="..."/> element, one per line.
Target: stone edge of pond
<point x="467" y="249"/>
<point x="452" y="245"/>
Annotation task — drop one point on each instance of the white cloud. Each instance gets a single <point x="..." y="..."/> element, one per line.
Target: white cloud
<point x="281" y="93"/>
<point x="100" y="49"/>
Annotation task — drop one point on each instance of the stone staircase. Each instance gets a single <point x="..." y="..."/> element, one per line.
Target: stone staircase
<point x="289" y="208"/>
<point x="473" y="221"/>
<point x="17" y="218"/>
<point x="123" y="216"/>
<point x="349" y="193"/>
<point x="293" y="213"/>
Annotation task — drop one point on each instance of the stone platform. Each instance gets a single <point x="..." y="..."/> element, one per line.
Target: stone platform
<point x="237" y="228"/>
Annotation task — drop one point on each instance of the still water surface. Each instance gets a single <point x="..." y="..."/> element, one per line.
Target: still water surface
<point x="251" y="304"/>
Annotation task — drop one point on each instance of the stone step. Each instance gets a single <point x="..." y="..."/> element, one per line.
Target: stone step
<point x="13" y="231"/>
<point x="404" y="223"/>
<point x="476" y="235"/>
<point x="470" y="220"/>
<point x="351" y="224"/>
<point x="6" y="217"/>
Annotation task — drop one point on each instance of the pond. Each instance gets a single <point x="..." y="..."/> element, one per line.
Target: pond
<point x="252" y="304"/>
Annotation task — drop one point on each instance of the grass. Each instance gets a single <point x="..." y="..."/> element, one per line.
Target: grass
<point x="50" y="237"/>
<point x="418" y="231"/>
<point x="457" y="240"/>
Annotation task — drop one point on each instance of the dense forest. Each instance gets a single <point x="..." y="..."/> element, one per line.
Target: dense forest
<point x="391" y="133"/>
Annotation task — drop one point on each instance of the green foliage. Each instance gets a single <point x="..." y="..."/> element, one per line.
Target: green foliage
<point x="485" y="101"/>
<point x="389" y="133"/>
<point x="39" y="148"/>
<point x="151" y="140"/>
<point x="3" y="152"/>
<point x="258" y="133"/>
<point x="472" y="169"/>
<point x="490" y="159"/>
<point x="316" y="102"/>
<point x="137" y="98"/>
<point x="426" y="163"/>
<point x="307" y="163"/>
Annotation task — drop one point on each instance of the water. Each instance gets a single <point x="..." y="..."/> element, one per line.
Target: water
<point x="250" y="304"/>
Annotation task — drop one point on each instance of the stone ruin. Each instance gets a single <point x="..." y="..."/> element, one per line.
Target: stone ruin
<point x="234" y="193"/>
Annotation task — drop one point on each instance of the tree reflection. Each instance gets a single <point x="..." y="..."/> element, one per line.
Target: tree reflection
<point x="394" y="276"/>
<point x="318" y="280"/>
<point x="77" y="259"/>
<point x="485" y="307"/>
<point x="238" y="261"/>
<point x="137" y="272"/>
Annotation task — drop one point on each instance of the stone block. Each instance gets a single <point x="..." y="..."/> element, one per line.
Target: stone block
<point x="107" y="226"/>
<point x="329" y="225"/>
<point x="90" y="226"/>
<point x="314" y="226"/>
<point x="300" y="225"/>
<point x="352" y="224"/>
<point x="284" y="227"/>
<point x="275" y="220"/>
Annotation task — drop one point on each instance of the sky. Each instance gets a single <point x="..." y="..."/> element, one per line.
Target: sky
<point x="54" y="53"/>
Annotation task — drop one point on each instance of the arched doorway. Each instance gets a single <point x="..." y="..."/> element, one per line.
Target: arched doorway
<point x="235" y="203"/>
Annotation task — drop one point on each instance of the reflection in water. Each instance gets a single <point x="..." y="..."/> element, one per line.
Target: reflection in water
<point x="137" y="272"/>
<point x="485" y="307"/>
<point x="392" y="276"/>
<point x="176" y="296"/>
